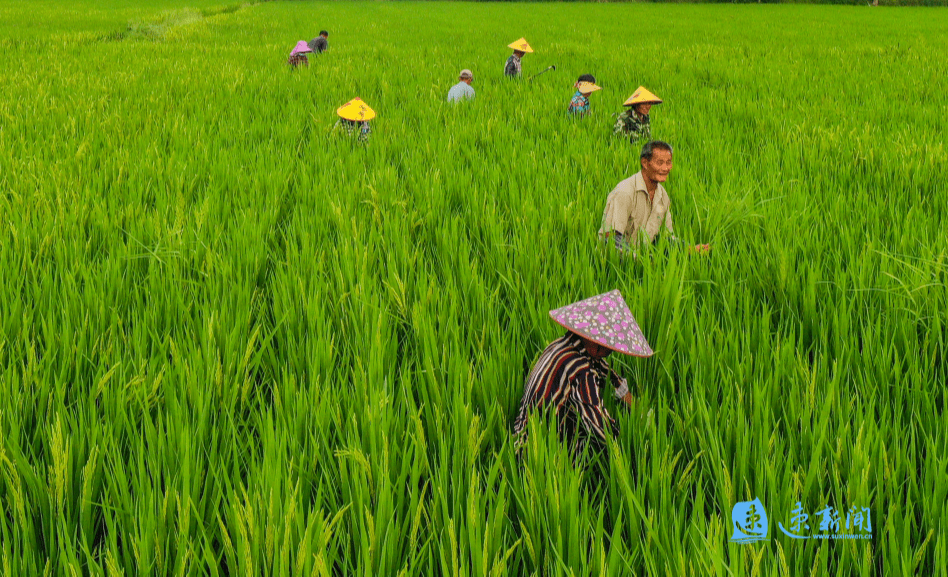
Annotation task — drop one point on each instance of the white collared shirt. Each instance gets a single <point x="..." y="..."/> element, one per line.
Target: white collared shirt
<point x="460" y="91"/>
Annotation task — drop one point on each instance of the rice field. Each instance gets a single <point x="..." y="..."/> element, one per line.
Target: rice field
<point x="233" y="342"/>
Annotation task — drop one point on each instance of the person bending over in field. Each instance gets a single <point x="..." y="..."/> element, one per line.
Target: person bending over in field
<point x="520" y="47"/>
<point x="579" y="104"/>
<point x="298" y="55"/>
<point x="353" y="127"/>
<point x="635" y="122"/>
<point x="354" y="117"/>
<point x="638" y="206"/>
<point x="321" y="43"/>
<point x="571" y="373"/>
<point x="462" y="90"/>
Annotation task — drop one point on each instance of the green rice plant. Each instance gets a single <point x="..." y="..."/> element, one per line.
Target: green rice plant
<point x="235" y="342"/>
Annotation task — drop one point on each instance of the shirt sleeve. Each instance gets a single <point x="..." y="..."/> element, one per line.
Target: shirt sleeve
<point x="587" y="398"/>
<point x="616" y="218"/>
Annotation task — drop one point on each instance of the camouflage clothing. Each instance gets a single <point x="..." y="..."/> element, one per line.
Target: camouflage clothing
<point x="637" y="127"/>
<point x="350" y="127"/>
<point x="318" y="44"/>
<point x="513" y="66"/>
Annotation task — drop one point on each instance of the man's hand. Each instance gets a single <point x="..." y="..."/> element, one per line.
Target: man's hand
<point x="622" y="391"/>
<point x="700" y="249"/>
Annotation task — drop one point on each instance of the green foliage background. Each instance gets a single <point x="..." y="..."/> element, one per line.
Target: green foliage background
<point x="234" y="343"/>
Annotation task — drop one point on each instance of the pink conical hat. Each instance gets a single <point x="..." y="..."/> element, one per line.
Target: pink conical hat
<point x="300" y="47"/>
<point x="605" y="319"/>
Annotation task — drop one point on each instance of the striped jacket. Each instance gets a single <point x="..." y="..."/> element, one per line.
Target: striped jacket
<point x="567" y="379"/>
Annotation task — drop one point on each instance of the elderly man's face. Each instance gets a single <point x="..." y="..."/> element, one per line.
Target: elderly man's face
<point x="644" y="109"/>
<point x="657" y="168"/>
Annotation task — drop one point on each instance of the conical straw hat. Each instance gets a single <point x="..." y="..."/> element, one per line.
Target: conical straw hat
<point x="588" y="87"/>
<point x="520" y="45"/>
<point x="355" y="110"/>
<point x="642" y="96"/>
<point x="300" y="47"/>
<point x="606" y="320"/>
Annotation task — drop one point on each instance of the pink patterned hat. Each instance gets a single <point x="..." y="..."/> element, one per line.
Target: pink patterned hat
<point x="301" y="47"/>
<point x="605" y="319"/>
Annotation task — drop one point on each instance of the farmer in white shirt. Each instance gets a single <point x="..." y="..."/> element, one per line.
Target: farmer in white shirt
<point x="462" y="90"/>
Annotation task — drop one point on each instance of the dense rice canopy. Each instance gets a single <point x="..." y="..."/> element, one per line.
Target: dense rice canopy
<point x="231" y="343"/>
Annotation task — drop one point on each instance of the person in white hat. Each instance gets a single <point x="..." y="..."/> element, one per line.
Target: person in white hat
<point x="462" y="90"/>
<point x="571" y="375"/>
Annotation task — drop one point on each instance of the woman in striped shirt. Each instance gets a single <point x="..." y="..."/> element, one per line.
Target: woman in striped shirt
<point x="569" y="375"/>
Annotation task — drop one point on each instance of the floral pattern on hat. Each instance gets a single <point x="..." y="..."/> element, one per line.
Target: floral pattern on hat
<point x="605" y="319"/>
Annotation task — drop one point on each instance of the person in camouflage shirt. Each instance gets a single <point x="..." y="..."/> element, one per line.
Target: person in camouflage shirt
<point x="635" y="124"/>
<point x="635" y="121"/>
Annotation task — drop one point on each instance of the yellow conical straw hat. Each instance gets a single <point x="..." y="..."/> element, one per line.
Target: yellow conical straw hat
<point x="520" y="45"/>
<point x="588" y="87"/>
<point x="642" y="96"/>
<point x="355" y="110"/>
